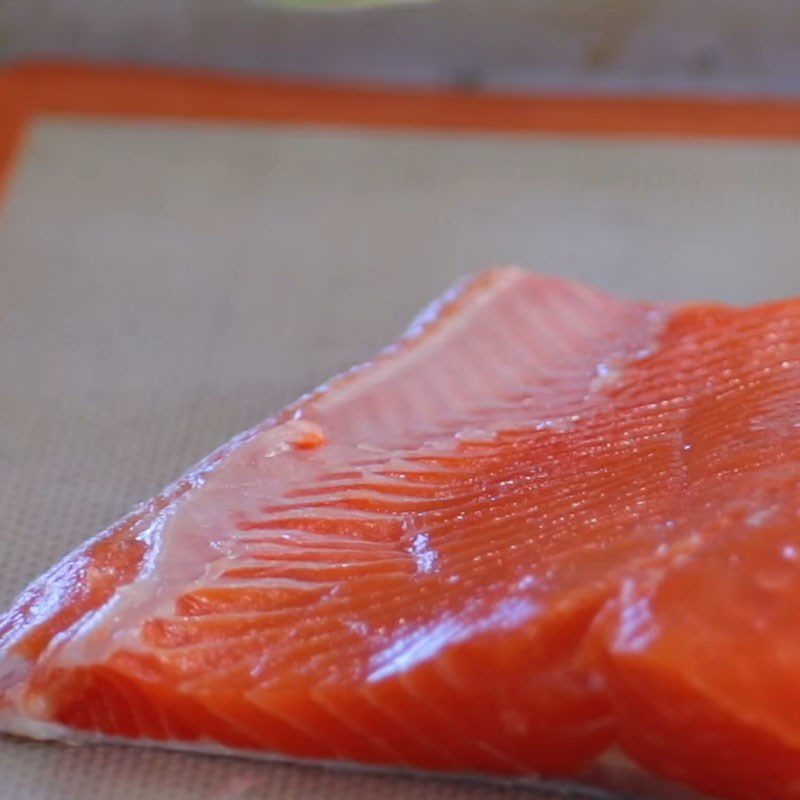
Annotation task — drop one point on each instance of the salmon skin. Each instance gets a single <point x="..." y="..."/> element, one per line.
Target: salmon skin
<point x="547" y="533"/>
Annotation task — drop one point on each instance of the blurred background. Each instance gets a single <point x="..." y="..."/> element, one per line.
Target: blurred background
<point x="748" y="46"/>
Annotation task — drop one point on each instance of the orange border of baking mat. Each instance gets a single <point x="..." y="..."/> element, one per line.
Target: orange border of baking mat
<point x="30" y="89"/>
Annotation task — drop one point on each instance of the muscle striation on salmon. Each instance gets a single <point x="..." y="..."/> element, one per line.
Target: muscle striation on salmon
<point x="547" y="533"/>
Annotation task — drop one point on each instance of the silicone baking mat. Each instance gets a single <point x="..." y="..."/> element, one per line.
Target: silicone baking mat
<point x="180" y="256"/>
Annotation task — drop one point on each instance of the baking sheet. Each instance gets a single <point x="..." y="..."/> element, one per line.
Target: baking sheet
<point x="163" y="286"/>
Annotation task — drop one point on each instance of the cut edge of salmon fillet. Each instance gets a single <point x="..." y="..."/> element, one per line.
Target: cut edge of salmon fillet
<point x="613" y="776"/>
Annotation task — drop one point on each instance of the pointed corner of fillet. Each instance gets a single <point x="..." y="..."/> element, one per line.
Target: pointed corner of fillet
<point x="13" y="671"/>
<point x="57" y="602"/>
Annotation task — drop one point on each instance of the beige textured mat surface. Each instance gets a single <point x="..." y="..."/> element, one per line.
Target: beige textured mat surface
<point x="163" y="287"/>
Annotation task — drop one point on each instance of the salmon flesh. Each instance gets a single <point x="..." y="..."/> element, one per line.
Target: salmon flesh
<point x="547" y="533"/>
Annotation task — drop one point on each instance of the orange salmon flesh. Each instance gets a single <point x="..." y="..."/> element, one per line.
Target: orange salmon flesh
<point x="544" y="529"/>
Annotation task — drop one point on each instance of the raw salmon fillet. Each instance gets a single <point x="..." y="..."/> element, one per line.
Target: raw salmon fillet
<point x="548" y="533"/>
